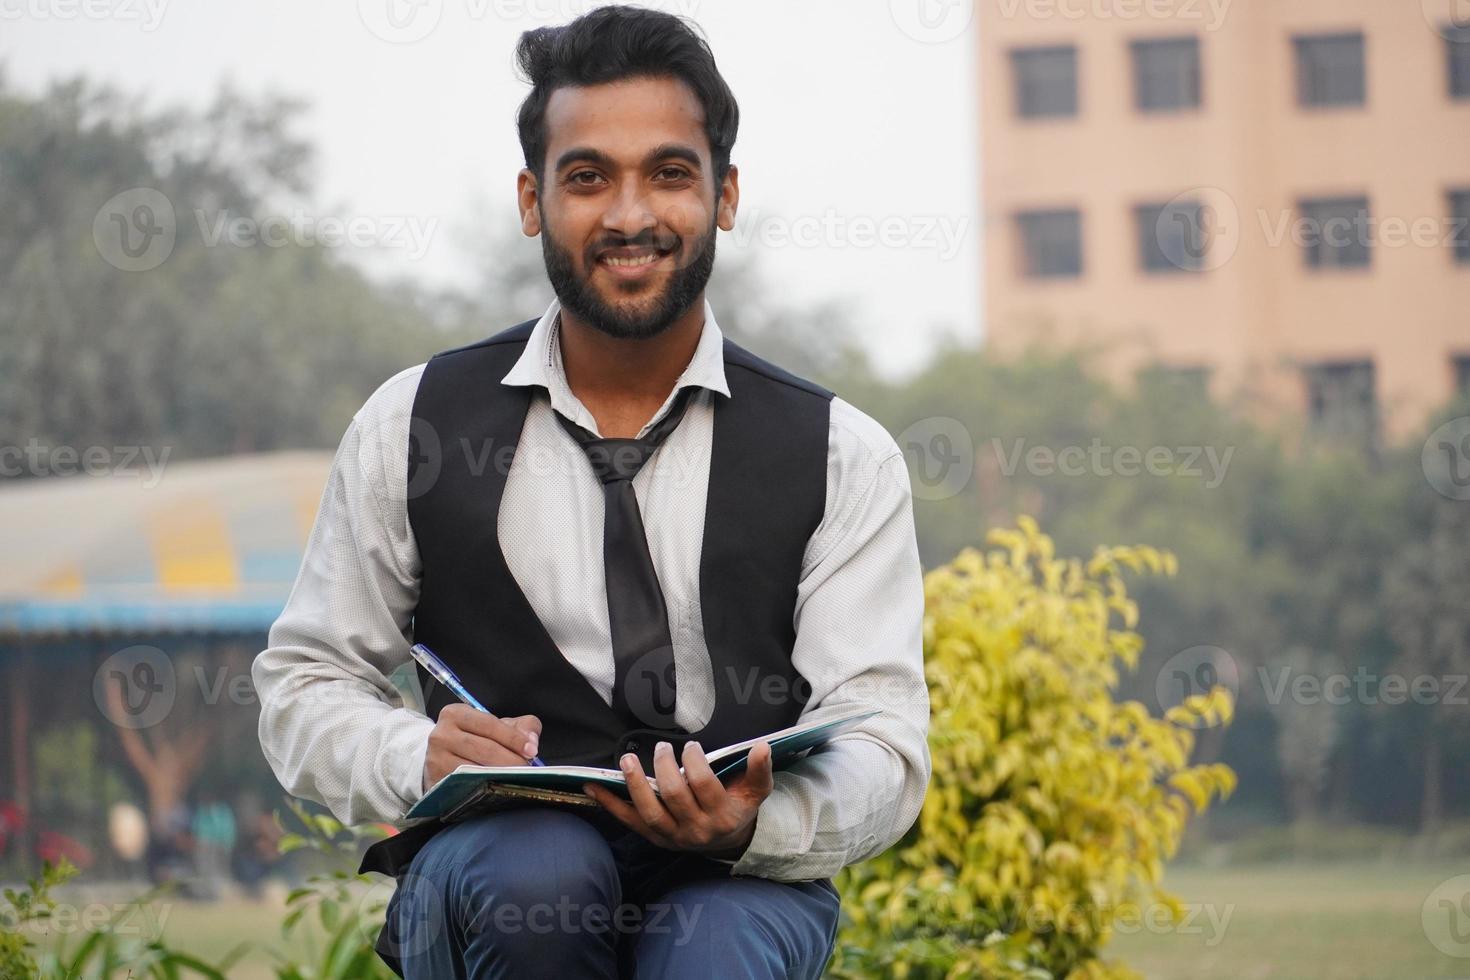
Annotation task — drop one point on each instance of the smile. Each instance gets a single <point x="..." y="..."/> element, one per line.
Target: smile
<point x="623" y="263"/>
<point x="632" y="262"/>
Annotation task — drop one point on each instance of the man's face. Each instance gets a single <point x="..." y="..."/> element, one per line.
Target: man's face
<point x="627" y="207"/>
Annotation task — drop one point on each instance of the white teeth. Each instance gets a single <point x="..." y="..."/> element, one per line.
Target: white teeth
<point x="640" y="260"/>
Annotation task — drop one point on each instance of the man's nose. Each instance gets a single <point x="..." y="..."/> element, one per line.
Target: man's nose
<point x="630" y="212"/>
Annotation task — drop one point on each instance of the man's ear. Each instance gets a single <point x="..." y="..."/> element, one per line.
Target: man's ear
<point x="729" y="199"/>
<point x="527" y="196"/>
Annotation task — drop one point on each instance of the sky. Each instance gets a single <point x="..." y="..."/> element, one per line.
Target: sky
<point x="857" y="149"/>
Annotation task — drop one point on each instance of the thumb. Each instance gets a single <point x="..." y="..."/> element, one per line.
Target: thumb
<point x="758" y="780"/>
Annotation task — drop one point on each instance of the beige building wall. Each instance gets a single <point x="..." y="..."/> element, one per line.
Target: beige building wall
<point x="1256" y="313"/>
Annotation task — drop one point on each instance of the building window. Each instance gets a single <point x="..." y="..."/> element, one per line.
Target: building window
<point x="1051" y="244"/>
<point x="1461" y="365"/>
<point x="1457" y="41"/>
<point x="1045" y="81"/>
<point x="1336" y="232"/>
<point x="1330" y="70"/>
<point x="1166" y="74"/>
<point x="1460" y="225"/>
<point x="1340" y="403"/>
<point x="1171" y="237"/>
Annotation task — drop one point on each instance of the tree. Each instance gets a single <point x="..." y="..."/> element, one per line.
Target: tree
<point x="1428" y="601"/>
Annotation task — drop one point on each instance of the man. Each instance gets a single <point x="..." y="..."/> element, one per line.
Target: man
<point x="636" y="540"/>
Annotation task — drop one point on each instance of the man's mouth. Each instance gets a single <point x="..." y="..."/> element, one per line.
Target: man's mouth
<point x="632" y="259"/>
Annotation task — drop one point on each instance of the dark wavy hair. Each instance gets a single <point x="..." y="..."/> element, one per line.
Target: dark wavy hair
<point x="613" y="43"/>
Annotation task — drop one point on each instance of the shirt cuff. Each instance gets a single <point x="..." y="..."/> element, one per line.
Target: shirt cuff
<point x="403" y="754"/>
<point x="777" y="828"/>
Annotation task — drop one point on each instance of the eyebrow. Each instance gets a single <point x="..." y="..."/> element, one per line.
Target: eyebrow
<point x="665" y="151"/>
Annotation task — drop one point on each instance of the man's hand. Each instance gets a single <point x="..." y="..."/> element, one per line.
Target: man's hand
<point x="466" y="736"/>
<point x="693" y="811"/>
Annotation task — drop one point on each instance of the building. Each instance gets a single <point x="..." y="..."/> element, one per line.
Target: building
<point x="1268" y="197"/>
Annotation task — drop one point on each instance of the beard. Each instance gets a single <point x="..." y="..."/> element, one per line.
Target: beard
<point x="645" y="317"/>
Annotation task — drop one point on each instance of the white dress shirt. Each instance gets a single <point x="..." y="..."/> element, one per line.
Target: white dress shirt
<point x="336" y="729"/>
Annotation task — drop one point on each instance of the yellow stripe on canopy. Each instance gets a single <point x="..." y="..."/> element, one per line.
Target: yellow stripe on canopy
<point x="66" y="581"/>
<point x="193" y="551"/>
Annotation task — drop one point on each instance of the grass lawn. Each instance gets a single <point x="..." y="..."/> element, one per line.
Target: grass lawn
<point x="209" y="930"/>
<point x="1297" y="922"/>
<point x="1347" y="921"/>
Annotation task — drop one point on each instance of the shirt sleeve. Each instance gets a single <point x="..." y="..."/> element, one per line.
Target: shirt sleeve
<point x="333" y="726"/>
<point x="859" y="642"/>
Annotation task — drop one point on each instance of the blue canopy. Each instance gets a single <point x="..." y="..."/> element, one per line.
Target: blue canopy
<point x="201" y="546"/>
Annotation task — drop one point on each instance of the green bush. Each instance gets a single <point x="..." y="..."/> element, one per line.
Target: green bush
<point x="1053" y="807"/>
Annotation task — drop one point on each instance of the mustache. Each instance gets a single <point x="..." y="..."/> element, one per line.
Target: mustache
<point x="644" y="239"/>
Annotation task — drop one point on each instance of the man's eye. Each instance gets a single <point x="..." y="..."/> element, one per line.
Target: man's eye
<point x="585" y="177"/>
<point x="673" y="173"/>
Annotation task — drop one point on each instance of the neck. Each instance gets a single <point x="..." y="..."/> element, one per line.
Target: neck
<point x="623" y="381"/>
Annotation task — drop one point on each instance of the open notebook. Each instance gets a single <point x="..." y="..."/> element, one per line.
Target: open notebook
<point x="472" y="789"/>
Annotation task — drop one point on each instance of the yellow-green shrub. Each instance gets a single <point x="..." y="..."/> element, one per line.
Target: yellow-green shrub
<point x="1052" y="807"/>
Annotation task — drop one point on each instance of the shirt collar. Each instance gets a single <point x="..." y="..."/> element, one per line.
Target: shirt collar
<point x="540" y="364"/>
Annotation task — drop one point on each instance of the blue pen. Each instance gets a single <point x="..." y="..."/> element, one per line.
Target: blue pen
<point x="440" y="671"/>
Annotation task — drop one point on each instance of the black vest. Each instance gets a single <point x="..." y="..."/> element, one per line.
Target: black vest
<point x="767" y="494"/>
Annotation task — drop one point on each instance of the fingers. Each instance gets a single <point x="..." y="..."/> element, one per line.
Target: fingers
<point x="645" y="801"/>
<point x="529" y="724"/>
<point x="621" y="809"/>
<point x="499" y="730"/>
<point x="703" y="783"/>
<point x="673" y="792"/>
<point x="481" y="751"/>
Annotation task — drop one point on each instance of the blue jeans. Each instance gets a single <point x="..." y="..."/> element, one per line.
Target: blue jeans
<point x="543" y="892"/>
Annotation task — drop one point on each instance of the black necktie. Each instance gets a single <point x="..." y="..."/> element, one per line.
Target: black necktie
<point x="643" y="652"/>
